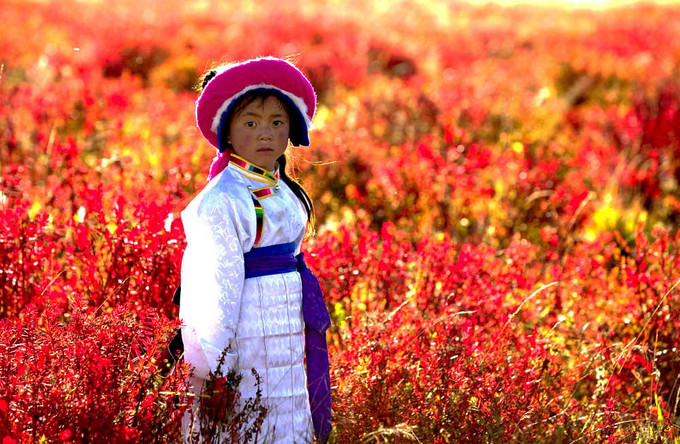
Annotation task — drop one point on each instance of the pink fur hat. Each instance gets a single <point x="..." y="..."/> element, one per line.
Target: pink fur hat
<point x="266" y="73"/>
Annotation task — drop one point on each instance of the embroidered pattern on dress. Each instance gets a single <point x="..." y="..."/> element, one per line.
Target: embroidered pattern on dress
<point x="262" y="193"/>
<point x="261" y="175"/>
<point x="259" y="218"/>
<point x="247" y="166"/>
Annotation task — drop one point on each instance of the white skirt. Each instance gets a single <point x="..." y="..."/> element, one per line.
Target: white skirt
<point x="270" y="339"/>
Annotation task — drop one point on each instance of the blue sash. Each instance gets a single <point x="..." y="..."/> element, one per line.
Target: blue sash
<point x="280" y="258"/>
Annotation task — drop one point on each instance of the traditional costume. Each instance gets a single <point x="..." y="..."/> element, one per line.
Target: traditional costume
<point x="245" y="286"/>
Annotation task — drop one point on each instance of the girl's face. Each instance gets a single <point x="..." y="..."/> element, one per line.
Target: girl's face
<point x="259" y="132"/>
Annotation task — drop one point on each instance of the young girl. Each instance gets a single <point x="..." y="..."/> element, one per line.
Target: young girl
<point x="245" y="286"/>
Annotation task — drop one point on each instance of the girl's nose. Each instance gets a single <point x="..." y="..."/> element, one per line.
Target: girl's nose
<point x="266" y="132"/>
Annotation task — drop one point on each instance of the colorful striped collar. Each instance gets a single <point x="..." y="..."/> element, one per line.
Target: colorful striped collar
<point x="254" y="171"/>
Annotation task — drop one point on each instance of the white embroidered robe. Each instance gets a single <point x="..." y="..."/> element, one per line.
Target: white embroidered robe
<point x="259" y="318"/>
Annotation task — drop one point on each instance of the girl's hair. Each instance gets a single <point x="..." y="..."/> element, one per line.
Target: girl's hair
<point x="300" y="192"/>
<point x="293" y="116"/>
<point x="205" y="78"/>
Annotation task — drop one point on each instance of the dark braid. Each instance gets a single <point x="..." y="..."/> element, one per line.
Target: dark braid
<point x="297" y="189"/>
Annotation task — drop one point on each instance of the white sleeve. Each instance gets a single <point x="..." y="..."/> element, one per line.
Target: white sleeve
<point x="212" y="283"/>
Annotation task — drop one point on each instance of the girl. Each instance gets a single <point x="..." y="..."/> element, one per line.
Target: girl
<point x="245" y="286"/>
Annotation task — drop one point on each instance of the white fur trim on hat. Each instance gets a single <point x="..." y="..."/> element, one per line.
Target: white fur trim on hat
<point x="297" y="101"/>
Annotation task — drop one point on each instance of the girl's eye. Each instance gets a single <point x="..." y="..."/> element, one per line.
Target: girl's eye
<point x="250" y="124"/>
<point x="278" y="122"/>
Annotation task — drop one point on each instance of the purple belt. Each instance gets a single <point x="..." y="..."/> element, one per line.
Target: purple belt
<point x="280" y="258"/>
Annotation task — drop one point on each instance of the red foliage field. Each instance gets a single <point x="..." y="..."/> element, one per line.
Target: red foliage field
<point x="497" y="194"/>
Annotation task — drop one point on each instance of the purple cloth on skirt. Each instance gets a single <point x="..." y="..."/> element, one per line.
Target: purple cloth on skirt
<point x="278" y="259"/>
